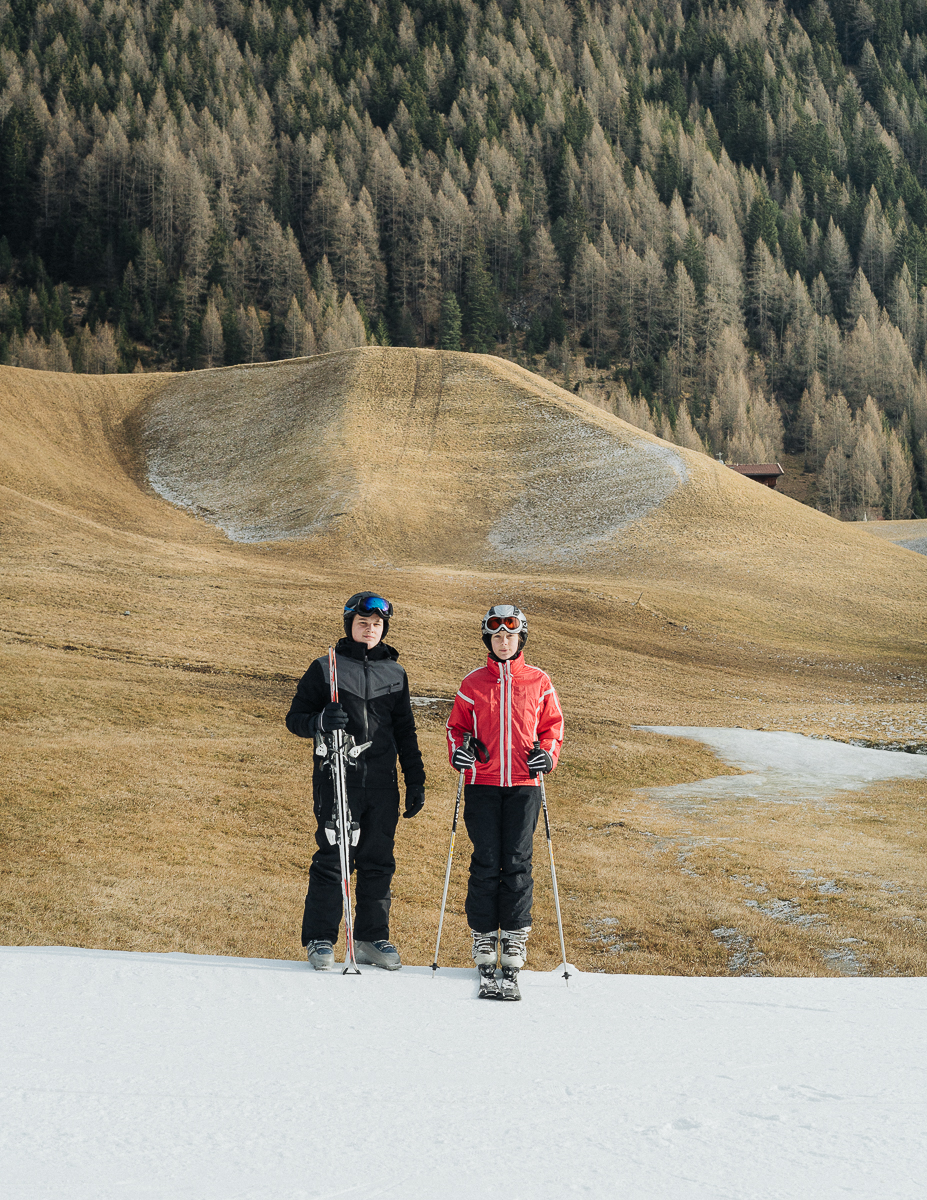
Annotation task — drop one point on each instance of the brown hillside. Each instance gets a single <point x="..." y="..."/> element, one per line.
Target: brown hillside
<point x="152" y="798"/>
<point x="459" y="460"/>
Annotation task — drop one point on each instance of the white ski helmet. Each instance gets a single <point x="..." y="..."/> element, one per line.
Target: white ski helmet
<point x="505" y="616"/>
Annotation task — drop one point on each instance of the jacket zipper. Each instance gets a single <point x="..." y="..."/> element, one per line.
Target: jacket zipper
<point x="366" y="727"/>
<point x="508" y="723"/>
<point x="505" y="726"/>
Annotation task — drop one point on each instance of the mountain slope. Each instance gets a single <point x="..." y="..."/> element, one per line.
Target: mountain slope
<point x="152" y="797"/>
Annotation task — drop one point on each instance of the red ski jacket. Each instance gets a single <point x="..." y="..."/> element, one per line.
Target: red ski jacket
<point x="508" y="706"/>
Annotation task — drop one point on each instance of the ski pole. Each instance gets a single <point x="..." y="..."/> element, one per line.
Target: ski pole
<point x="553" y="871"/>
<point x="450" y="855"/>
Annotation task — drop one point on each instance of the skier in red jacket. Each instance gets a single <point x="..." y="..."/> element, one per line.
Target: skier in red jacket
<point x="513" y="710"/>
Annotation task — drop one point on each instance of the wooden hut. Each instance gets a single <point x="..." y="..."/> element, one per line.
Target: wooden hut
<point x="764" y="473"/>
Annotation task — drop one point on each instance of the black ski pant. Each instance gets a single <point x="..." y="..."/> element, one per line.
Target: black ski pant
<point x="377" y="812"/>
<point x="501" y="822"/>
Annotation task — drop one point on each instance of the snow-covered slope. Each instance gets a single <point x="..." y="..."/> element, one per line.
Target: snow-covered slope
<point x="131" y="1075"/>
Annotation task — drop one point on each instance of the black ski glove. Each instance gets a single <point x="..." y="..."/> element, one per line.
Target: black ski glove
<point x="463" y="758"/>
<point x="539" y="762"/>
<point x="332" y="717"/>
<point x="415" y="799"/>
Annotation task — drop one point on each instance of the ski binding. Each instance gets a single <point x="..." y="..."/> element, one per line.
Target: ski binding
<point x="489" y="984"/>
<point x="509" y="988"/>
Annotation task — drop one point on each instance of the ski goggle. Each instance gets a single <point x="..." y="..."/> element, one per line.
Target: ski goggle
<point x="497" y="624"/>
<point x="505" y="618"/>
<point x="371" y="606"/>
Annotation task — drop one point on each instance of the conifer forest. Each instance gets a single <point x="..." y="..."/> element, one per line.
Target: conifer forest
<point x="717" y="206"/>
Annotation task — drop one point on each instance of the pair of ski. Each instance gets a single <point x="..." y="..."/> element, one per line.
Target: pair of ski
<point x="492" y="988"/>
<point x="341" y="831"/>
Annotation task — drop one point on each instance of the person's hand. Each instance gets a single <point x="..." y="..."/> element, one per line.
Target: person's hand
<point x="463" y="758"/>
<point x="415" y="800"/>
<point x="539" y="762"/>
<point x="332" y="717"/>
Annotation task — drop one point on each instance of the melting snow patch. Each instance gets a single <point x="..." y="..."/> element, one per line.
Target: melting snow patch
<point x="743" y="956"/>
<point x="788" y="911"/>
<point x="782" y="767"/>
<point x="607" y="932"/>
<point x="842" y="959"/>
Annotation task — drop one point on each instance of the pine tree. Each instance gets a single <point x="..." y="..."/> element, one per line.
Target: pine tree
<point x="449" y="332"/>
<point x="482" y="307"/>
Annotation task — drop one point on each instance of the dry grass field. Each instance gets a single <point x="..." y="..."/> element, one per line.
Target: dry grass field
<point x="152" y="799"/>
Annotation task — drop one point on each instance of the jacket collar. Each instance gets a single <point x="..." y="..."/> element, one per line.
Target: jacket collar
<point x="515" y="665"/>
<point x="348" y="648"/>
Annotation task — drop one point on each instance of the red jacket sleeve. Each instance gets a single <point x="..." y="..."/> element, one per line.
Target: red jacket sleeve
<point x="459" y="723"/>
<point x="550" y="722"/>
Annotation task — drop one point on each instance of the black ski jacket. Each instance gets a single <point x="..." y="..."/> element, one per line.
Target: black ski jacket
<point x="374" y="692"/>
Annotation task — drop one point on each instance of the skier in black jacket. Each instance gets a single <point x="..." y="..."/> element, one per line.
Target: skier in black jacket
<point x="374" y="707"/>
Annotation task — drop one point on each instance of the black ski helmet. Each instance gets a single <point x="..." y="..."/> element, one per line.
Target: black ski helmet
<point x="366" y="604"/>
<point x="500" y="616"/>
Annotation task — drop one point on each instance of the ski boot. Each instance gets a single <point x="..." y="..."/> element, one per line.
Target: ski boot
<point x="484" y="951"/>
<point x="321" y="954"/>
<point x="378" y="954"/>
<point x="514" y="950"/>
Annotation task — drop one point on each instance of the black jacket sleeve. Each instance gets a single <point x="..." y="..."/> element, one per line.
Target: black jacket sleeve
<point x="313" y="692"/>
<point x="410" y="757"/>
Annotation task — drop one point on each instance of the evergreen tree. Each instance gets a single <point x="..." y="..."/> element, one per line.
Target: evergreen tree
<point x="482" y="306"/>
<point x="450" y="330"/>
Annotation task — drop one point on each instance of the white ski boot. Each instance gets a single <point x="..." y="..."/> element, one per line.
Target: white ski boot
<point x="378" y="954"/>
<point x="321" y="955"/>
<point x="485" y="953"/>
<point x="514" y="950"/>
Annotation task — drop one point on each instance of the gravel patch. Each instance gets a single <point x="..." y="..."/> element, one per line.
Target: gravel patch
<point x="582" y="485"/>
<point x="918" y="545"/>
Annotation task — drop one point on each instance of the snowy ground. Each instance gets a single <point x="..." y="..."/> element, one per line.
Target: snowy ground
<point x="784" y="767"/>
<point x="134" y="1075"/>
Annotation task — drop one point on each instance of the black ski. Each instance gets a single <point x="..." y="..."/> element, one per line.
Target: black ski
<point x="509" y="988"/>
<point x="489" y="984"/>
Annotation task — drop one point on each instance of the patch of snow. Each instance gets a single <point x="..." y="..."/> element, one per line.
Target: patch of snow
<point x="825" y="887"/>
<point x="743" y="956"/>
<point x="784" y="768"/>
<point x="788" y="911"/>
<point x="176" y="1075"/>
<point x="843" y="960"/>
<point x="607" y="933"/>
